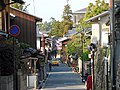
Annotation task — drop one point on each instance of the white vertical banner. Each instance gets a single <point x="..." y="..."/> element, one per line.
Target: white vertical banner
<point x="105" y="60"/>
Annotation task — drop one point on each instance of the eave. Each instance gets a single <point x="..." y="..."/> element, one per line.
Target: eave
<point x="36" y="18"/>
<point x="96" y="18"/>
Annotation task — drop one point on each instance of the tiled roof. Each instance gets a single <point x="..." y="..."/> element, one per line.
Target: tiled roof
<point x="81" y="10"/>
<point x="84" y="9"/>
<point x="71" y="32"/>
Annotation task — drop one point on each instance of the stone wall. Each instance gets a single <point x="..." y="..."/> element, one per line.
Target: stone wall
<point x="100" y="77"/>
<point x="22" y="80"/>
<point x="6" y="82"/>
<point x="99" y="71"/>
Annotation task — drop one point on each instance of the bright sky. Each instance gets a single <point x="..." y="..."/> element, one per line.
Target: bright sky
<point x="46" y="9"/>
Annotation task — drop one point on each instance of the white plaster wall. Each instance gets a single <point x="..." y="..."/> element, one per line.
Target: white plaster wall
<point x="104" y="38"/>
<point x="104" y="31"/>
<point x="95" y="33"/>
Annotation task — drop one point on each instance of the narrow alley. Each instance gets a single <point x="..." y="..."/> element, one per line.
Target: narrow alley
<point x="62" y="78"/>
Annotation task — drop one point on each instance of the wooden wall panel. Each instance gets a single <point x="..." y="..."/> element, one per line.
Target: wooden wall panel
<point x="27" y="25"/>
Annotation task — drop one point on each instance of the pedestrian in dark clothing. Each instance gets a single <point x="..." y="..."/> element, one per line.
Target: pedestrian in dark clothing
<point x="50" y="66"/>
<point x="86" y="76"/>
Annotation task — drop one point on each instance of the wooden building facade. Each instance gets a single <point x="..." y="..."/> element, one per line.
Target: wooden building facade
<point x="27" y="24"/>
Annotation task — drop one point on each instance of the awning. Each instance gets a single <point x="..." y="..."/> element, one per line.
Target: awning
<point x="29" y="58"/>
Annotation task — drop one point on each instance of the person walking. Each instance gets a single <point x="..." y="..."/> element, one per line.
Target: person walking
<point x="73" y="66"/>
<point x="86" y="76"/>
<point x="89" y="83"/>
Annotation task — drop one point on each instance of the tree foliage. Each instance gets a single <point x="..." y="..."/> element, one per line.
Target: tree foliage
<point x="67" y="22"/>
<point x="46" y="26"/>
<point x="67" y="10"/>
<point x="73" y="45"/>
<point x="77" y="44"/>
<point x="93" y="10"/>
<point x="56" y="28"/>
<point x="83" y="25"/>
<point x="18" y="6"/>
<point x="22" y="7"/>
<point x="59" y="28"/>
<point x="6" y="56"/>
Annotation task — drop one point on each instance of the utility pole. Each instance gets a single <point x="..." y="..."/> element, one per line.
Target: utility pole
<point x="93" y="52"/>
<point x="106" y="72"/>
<point x="15" y="71"/>
<point x="82" y="60"/>
<point x="113" y="49"/>
<point x="82" y="39"/>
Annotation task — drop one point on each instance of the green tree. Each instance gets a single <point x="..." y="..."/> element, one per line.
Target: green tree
<point x="93" y="10"/>
<point x="59" y="28"/>
<point x="22" y="7"/>
<point x="73" y="45"/>
<point x="82" y="25"/>
<point x="18" y="6"/>
<point x="67" y="10"/>
<point x="67" y="22"/>
<point x="46" y="26"/>
<point x="77" y="44"/>
<point x="56" y="28"/>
